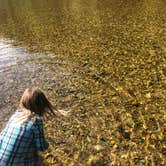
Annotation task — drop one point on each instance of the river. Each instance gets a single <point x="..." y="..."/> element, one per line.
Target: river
<point x="101" y="60"/>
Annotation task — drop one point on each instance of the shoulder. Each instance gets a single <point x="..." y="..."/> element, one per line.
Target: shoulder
<point x="38" y="120"/>
<point x="15" y="114"/>
<point x="12" y="118"/>
<point x="37" y="123"/>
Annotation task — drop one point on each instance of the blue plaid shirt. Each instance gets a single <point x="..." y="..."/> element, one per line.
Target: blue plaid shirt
<point x="20" y="143"/>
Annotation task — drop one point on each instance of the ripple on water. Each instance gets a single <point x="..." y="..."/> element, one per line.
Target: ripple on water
<point x="110" y="74"/>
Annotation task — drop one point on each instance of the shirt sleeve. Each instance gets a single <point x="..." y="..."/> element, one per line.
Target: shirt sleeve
<point x="40" y="141"/>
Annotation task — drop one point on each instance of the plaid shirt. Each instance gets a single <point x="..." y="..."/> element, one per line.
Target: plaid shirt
<point x="20" y="143"/>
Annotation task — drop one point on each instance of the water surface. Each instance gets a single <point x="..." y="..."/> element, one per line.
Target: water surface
<point x="104" y="61"/>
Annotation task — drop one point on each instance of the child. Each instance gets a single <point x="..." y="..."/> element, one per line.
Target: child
<point x="23" y="137"/>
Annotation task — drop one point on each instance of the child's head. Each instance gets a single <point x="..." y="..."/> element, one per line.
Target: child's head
<point x="33" y="99"/>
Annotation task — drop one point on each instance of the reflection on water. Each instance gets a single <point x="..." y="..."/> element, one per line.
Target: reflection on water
<point x="104" y="61"/>
<point x="10" y="55"/>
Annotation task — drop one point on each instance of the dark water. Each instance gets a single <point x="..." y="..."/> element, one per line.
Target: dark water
<point x="102" y="60"/>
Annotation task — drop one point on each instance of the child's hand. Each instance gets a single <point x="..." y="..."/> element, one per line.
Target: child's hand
<point x="64" y="113"/>
<point x="57" y="114"/>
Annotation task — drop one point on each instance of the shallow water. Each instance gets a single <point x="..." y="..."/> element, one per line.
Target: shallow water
<point x="104" y="61"/>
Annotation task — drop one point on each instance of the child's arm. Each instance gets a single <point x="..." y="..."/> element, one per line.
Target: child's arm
<point x="40" y="141"/>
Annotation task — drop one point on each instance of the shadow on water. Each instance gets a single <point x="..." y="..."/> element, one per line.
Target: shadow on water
<point x="104" y="62"/>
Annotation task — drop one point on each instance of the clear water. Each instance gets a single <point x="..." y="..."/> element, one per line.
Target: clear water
<point x="104" y="61"/>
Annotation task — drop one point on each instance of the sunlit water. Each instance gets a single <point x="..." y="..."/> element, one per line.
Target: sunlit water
<point x="11" y="55"/>
<point x="104" y="61"/>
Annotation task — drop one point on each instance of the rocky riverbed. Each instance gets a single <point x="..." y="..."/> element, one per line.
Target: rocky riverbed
<point x="103" y="62"/>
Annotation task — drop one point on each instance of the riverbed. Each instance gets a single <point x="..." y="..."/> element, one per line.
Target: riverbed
<point x="103" y="62"/>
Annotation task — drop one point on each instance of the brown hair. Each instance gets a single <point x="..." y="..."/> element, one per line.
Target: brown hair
<point x="34" y="99"/>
